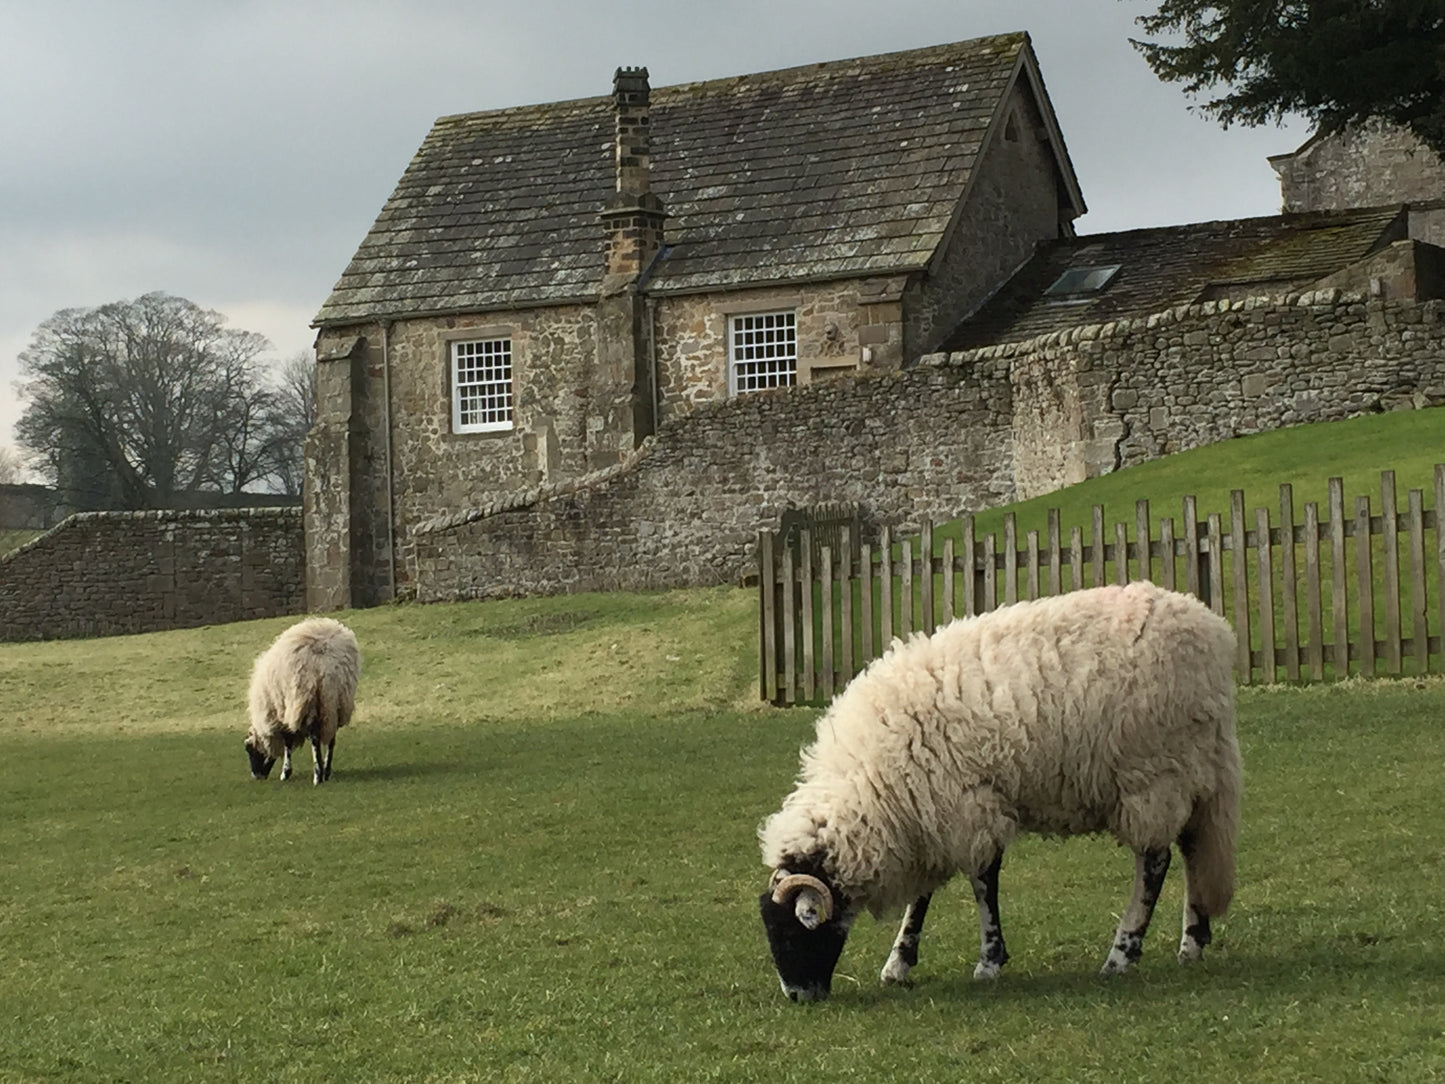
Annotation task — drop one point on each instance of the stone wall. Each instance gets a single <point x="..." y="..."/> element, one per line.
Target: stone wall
<point x="958" y="433"/>
<point x="1359" y="168"/>
<point x="691" y="338"/>
<point x="686" y="508"/>
<point x="25" y="507"/>
<point x="106" y="573"/>
<point x="1095" y="399"/>
<point x="1013" y="205"/>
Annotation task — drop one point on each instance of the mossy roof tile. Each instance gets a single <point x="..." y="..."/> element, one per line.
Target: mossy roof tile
<point x="1165" y="267"/>
<point x="848" y="167"/>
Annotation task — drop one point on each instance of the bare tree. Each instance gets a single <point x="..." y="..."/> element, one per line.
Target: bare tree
<point x="134" y="404"/>
<point x="245" y="441"/>
<point x="294" y="413"/>
<point x="12" y="466"/>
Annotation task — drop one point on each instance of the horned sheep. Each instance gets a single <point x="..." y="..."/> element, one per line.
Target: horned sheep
<point x="1107" y="709"/>
<point x="303" y="687"/>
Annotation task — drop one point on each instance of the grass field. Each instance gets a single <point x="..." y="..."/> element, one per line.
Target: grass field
<point x="1408" y="442"/>
<point x="13" y="540"/>
<point x="536" y="861"/>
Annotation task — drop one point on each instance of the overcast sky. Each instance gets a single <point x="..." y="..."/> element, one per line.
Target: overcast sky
<point x="235" y="152"/>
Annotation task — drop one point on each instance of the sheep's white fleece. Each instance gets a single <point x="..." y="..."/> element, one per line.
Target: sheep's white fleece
<point x="1108" y="709"/>
<point x="311" y="670"/>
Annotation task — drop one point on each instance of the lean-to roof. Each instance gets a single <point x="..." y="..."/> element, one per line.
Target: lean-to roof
<point x="1177" y="265"/>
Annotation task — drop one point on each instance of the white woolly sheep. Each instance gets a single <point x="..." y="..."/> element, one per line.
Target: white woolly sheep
<point x="1108" y="709"/>
<point x="302" y="687"/>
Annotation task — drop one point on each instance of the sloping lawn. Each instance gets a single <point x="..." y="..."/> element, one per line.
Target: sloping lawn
<point x="536" y="861"/>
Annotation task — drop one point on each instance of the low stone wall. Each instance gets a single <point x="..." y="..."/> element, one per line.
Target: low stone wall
<point x="686" y="508"/>
<point x="1096" y="399"/>
<point x="106" y="573"/>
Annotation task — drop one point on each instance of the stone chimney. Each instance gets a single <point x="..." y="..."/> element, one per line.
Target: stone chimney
<point x="633" y="217"/>
<point x="622" y="391"/>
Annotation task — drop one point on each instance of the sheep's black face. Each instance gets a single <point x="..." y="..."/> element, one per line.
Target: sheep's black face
<point x="261" y="763"/>
<point x="805" y="958"/>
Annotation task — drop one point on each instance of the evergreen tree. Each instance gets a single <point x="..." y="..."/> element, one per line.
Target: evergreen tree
<point x="1340" y="63"/>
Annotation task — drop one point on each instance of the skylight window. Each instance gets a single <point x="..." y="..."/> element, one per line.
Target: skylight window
<point x="1080" y="282"/>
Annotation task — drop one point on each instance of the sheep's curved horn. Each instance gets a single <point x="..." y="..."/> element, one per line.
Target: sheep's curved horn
<point x="789" y="885"/>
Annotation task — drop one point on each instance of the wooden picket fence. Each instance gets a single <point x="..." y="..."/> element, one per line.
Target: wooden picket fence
<point x="1311" y="599"/>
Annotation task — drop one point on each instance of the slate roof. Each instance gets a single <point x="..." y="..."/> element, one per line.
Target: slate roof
<point x="1176" y="265"/>
<point x="841" y="169"/>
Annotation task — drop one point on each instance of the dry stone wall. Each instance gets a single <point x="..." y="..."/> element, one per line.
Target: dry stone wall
<point x="29" y="507"/>
<point x="686" y="508"/>
<point x="106" y="573"/>
<point x="958" y="433"/>
<point x="1095" y="399"/>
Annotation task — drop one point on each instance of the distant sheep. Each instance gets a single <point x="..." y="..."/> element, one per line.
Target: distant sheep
<point x="302" y="687"/>
<point x="1110" y="709"/>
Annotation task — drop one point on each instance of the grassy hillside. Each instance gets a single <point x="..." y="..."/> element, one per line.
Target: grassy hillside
<point x="536" y="861"/>
<point x="13" y="540"/>
<point x="1408" y="442"/>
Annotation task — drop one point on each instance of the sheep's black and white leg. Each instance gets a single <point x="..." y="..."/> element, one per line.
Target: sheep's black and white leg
<point x="905" y="945"/>
<point x="318" y="760"/>
<point x="1149" y="870"/>
<point x="1196" y="919"/>
<point x="992" y="954"/>
<point x="1196" y="934"/>
<point x="286" y="763"/>
<point x="330" y="752"/>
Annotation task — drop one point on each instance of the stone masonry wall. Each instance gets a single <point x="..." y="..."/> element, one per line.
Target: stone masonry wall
<point x="107" y="573"/>
<point x="1359" y="168"/>
<point x="958" y="433"/>
<point x="691" y="335"/>
<point x="26" y="507"/>
<point x="686" y="508"/>
<point x="1095" y="399"/>
<point x="1013" y="205"/>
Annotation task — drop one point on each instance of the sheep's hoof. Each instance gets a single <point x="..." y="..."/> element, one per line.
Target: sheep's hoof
<point x="1190" y="950"/>
<point x="895" y="971"/>
<point x="1116" y="964"/>
<point x="987" y="969"/>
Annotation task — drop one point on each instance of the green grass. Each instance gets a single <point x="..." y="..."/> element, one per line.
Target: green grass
<point x="1407" y="442"/>
<point x="14" y="539"/>
<point x="537" y="861"/>
<point x="1410" y="443"/>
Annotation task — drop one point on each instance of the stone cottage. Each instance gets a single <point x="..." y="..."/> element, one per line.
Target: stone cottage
<point x="549" y="284"/>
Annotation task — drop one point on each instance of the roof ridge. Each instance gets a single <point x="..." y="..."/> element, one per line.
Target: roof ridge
<point x="1341" y="216"/>
<point x="923" y="56"/>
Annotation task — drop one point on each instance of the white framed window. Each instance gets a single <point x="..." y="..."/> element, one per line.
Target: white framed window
<point x="762" y="351"/>
<point x="481" y="385"/>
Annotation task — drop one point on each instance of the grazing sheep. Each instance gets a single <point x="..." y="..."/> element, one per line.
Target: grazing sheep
<point x="302" y="687"/>
<point x="1110" y="709"/>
